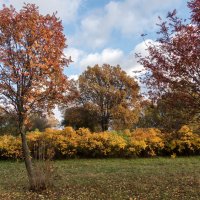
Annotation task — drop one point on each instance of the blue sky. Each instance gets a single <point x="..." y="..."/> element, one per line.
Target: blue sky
<point x="106" y="31"/>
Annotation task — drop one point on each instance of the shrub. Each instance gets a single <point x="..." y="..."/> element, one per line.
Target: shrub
<point x="68" y="143"/>
<point x="184" y="142"/>
<point x="146" y="142"/>
<point x="10" y="147"/>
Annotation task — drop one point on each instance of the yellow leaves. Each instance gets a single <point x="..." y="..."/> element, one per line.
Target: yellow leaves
<point x="112" y="92"/>
<point x="83" y="132"/>
<point x="137" y="146"/>
<point x="185" y="131"/>
<point x="173" y="156"/>
<point x="148" y="140"/>
<point x="69" y="131"/>
<point x="10" y="147"/>
<point x="83" y="143"/>
<point x="185" y="142"/>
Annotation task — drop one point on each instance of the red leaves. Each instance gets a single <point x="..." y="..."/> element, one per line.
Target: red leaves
<point x="194" y="5"/>
<point x="173" y="64"/>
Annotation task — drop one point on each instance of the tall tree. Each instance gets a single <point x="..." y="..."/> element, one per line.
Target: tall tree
<point x="165" y="114"/>
<point x="31" y="67"/>
<point x="173" y="63"/>
<point x="111" y="94"/>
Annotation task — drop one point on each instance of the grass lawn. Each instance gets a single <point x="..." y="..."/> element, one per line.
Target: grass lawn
<point x="131" y="179"/>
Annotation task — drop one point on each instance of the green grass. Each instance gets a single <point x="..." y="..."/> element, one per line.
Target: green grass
<point x="158" y="178"/>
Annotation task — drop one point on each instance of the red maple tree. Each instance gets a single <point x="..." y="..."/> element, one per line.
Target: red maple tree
<point x="173" y="62"/>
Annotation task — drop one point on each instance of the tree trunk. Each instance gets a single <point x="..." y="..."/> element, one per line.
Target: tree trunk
<point x="27" y="158"/>
<point x="104" y="123"/>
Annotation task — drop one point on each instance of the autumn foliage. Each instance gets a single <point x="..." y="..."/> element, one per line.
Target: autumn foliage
<point x="68" y="143"/>
<point x="32" y="82"/>
<point x="31" y="67"/>
<point x="32" y="60"/>
<point x="108" y="98"/>
<point x="172" y="64"/>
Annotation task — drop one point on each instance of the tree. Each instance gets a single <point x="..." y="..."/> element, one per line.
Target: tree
<point x="31" y="67"/>
<point x="80" y="116"/>
<point x="111" y="94"/>
<point x="165" y="115"/>
<point x="173" y="63"/>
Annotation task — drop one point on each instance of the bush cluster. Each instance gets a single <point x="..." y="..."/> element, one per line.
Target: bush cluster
<point x="68" y="143"/>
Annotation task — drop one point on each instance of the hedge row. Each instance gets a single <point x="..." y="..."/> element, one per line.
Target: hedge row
<point x="68" y="143"/>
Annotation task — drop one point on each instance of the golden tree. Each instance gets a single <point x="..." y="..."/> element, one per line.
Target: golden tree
<point x="111" y="94"/>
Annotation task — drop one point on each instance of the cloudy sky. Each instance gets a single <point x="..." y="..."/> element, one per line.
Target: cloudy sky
<point x="106" y="31"/>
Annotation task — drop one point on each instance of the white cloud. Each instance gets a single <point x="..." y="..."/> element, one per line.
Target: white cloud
<point x="57" y="114"/>
<point x="74" y="77"/>
<point x="67" y="9"/>
<point x="75" y="54"/>
<point x="82" y="59"/>
<point x="94" y="31"/>
<point x="128" y="62"/>
<point x="110" y="56"/>
<point x="128" y="17"/>
<point x="132" y="17"/>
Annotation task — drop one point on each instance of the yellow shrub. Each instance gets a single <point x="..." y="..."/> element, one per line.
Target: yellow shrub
<point x="136" y="147"/>
<point x="185" y="142"/>
<point x="83" y="143"/>
<point x="147" y="141"/>
<point x="100" y="144"/>
<point x="10" y="147"/>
